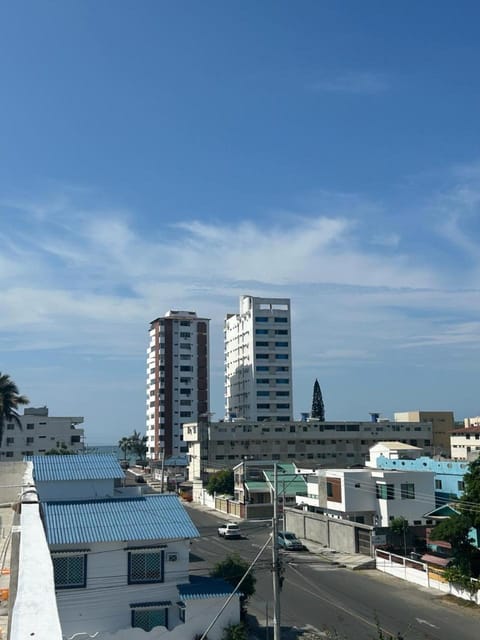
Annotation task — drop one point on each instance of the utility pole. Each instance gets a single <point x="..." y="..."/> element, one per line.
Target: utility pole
<point x="275" y="571"/>
<point x="163" y="470"/>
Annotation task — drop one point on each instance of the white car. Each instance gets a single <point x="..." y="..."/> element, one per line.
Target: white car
<point x="229" y="530"/>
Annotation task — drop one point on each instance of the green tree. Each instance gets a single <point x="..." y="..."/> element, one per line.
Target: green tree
<point x="60" y="450"/>
<point x="399" y="525"/>
<point x="455" y="530"/>
<point x="318" y="408"/>
<point x="139" y="445"/>
<point x="470" y="500"/>
<point x="10" y="400"/>
<point x="235" y="632"/>
<point x="125" y="445"/>
<point x="232" y="570"/>
<point x="221" y="482"/>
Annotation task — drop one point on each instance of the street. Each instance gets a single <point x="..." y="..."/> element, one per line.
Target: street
<point x="321" y="595"/>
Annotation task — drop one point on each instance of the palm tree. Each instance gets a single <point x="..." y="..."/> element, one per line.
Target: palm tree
<point x="125" y="445"/>
<point x="10" y="399"/>
<point x="139" y="445"/>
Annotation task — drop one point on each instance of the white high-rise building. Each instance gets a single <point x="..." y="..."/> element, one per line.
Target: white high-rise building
<point x="258" y="360"/>
<point x="177" y="380"/>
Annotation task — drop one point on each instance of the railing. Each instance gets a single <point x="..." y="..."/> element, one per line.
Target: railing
<point x="423" y="574"/>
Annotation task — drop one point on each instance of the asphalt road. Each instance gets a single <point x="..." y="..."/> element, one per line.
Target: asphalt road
<point x="320" y="595"/>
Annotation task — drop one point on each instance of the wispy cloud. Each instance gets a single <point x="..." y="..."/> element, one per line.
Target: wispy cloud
<point x="353" y="82"/>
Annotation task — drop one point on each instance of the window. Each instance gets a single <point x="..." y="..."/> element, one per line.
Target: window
<point x="283" y="406"/>
<point x="30" y="426"/>
<point x="30" y="440"/>
<point x="460" y="485"/>
<point x="149" y="616"/>
<point x="262" y="368"/>
<point x="262" y="380"/>
<point x="70" y="571"/>
<point x="185" y="334"/>
<point x="261" y="319"/>
<point x="281" y="356"/>
<point x="263" y="406"/>
<point x="145" y="566"/>
<point x="185" y="368"/>
<point x="12" y="440"/>
<point x="281" y="344"/>
<point x="407" y="491"/>
<point x="281" y="380"/>
<point x="184" y="323"/>
<point x="281" y="332"/>
<point x="261" y="343"/>
<point x="282" y="394"/>
<point x="438" y="484"/>
<point x="185" y="356"/>
<point x="277" y="319"/>
<point x="263" y="393"/>
<point x="10" y="426"/>
<point x="261" y="332"/>
<point x="185" y="414"/>
<point x="181" y="611"/>
<point x="385" y="491"/>
<point x="262" y="356"/>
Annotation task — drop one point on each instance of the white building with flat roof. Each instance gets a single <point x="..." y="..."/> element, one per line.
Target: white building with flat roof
<point x="371" y="496"/>
<point x="37" y="432"/>
<point x="177" y="380"/>
<point x="258" y="361"/>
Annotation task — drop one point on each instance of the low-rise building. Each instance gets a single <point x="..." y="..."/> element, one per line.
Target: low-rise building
<point x="37" y="432"/>
<point x="465" y="443"/>
<point x="120" y="564"/>
<point x="442" y="424"/>
<point x="370" y="496"/>
<point x="398" y="456"/>
<point x="216" y="445"/>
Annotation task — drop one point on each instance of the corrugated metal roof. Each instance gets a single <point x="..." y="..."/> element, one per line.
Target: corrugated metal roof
<point x="204" y="587"/>
<point x="150" y="517"/>
<point x="288" y="481"/>
<point x="95" y="466"/>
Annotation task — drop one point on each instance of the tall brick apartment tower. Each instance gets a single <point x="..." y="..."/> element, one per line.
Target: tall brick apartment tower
<point x="177" y="380"/>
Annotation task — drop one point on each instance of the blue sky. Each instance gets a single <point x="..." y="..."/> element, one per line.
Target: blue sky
<point x="161" y="155"/>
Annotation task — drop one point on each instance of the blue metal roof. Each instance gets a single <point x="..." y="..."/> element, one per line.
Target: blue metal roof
<point x="150" y="517"/>
<point x="205" y="587"/>
<point x="76" y="467"/>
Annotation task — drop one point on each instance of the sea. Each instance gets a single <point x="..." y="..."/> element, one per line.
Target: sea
<point x="111" y="449"/>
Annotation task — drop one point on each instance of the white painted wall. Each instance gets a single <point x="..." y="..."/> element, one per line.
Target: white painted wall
<point x="75" y="490"/>
<point x="104" y="605"/>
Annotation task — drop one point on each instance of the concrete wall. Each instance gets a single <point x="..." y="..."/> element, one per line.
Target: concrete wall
<point x="335" y="534"/>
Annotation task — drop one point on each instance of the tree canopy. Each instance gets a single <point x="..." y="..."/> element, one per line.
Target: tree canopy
<point x="318" y="408"/>
<point x="10" y="400"/>
<point x="232" y="570"/>
<point x="221" y="482"/>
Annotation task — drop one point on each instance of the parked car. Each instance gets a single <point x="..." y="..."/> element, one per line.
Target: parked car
<point x="288" y="540"/>
<point x="229" y="530"/>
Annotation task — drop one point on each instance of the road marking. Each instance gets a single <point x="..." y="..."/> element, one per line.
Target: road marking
<point x="429" y="624"/>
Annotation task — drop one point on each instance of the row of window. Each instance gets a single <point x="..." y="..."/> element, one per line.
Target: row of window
<point x="265" y="368"/>
<point x="263" y="405"/>
<point x="277" y="319"/>
<point x="278" y="356"/>
<point x="387" y="491"/>
<point x="146" y="566"/>
<point x="265" y="343"/>
<point x="277" y="332"/>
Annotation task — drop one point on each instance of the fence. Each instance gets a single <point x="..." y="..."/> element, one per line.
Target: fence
<point x="422" y="574"/>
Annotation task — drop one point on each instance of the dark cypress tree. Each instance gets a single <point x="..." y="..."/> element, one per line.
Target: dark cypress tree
<point x="318" y="408"/>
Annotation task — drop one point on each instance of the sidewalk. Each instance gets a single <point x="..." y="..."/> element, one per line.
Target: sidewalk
<point x="353" y="561"/>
